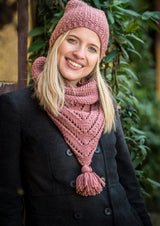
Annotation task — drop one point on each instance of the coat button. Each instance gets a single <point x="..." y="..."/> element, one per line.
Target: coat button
<point x="78" y="215"/>
<point x="98" y="150"/>
<point x="73" y="183"/>
<point x="69" y="152"/>
<point x="103" y="178"/>
<point x="107" y="211"/>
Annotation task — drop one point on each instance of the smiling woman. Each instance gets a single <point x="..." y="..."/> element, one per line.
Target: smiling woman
<point x="50" y="134"/>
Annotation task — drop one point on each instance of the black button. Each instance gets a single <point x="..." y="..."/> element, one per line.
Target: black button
<point x="78" y="215"/>
<point x="107" y="211"/>
<point x="69" y="152"/>
<point x="98" y="150"/>
<point x="73" y="183"/>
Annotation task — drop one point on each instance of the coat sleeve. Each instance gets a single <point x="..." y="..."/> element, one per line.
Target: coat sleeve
<point x="127" y="174"/>
<point x="11" y="202"/>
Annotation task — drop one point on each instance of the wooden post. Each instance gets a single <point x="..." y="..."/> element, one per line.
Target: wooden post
<point x="22" y="42"/>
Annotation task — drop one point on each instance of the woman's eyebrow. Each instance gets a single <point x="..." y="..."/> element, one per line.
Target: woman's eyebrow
<point x="73" y="36"/>
<point x="79" y="39"/>
<point x="95" y="45"/>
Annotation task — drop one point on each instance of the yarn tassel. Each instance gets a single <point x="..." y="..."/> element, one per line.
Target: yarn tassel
<point x="88" y="183"/>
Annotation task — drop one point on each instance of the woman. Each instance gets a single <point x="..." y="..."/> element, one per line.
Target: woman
<point x="63" y="156"/>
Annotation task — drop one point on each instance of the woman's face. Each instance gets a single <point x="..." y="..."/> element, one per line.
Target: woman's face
<point x="78" y="54"/>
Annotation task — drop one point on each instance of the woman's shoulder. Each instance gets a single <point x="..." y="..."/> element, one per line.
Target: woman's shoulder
<point x="19" y="94"/>
<point x="20" y="99"/>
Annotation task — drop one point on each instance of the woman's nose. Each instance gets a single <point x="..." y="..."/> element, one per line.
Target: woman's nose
<point x="79" y="53"/>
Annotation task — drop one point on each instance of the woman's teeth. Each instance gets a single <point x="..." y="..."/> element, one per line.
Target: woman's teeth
<point x="74" y="64"/>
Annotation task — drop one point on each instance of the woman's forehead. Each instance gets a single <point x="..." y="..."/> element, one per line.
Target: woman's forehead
<point x="86" y="34"/>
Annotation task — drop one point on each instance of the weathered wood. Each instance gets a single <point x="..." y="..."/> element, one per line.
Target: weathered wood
<point x="8" y="88"/>
<point x="22" y="42"/>
<point x="22" y="48"/>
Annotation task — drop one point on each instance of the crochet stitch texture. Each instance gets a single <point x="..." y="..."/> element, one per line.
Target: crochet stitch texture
<point x="81" y="120"/>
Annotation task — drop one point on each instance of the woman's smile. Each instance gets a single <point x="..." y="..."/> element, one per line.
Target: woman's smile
<point x="73" y="64"/>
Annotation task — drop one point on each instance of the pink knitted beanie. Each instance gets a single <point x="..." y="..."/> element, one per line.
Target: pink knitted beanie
<point x="79" y="14"/>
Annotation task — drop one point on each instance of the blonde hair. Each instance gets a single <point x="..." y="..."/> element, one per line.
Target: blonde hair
<point x="50" y="85"/>
<point x="50" y="88"/>
<point x="106" y="100"/>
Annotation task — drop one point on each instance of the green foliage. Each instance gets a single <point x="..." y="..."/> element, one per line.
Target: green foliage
<point x="127" y="29"/>
<point x="149" y="109"/>
<point x="151" y="15"/>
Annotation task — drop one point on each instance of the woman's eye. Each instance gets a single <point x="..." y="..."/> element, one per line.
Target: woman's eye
<point x="92" y="49"/>
<point x="71" y="40"/>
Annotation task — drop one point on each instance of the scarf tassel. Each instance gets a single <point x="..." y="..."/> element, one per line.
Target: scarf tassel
<point x="88" y="183"/>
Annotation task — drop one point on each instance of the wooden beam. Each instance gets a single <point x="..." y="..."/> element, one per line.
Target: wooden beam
<point x="8" y="88"/>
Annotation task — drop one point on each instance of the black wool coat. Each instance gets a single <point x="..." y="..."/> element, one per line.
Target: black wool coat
<point x="35" y="158"/>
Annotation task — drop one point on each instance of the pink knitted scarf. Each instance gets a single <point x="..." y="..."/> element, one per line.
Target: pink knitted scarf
<point x="81" y="121"/>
